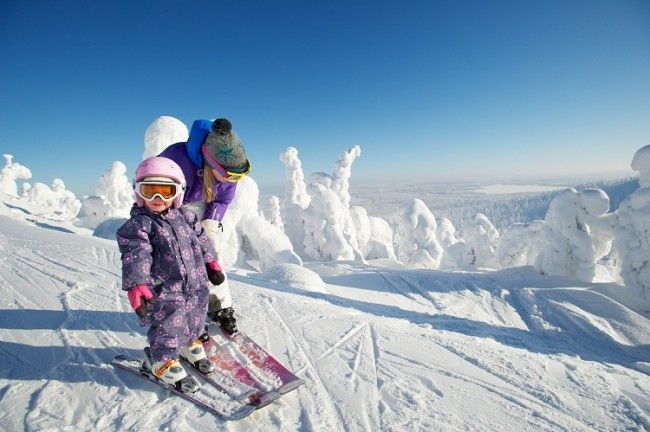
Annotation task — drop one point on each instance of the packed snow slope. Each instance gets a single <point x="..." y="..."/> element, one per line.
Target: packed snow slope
<point x="379" y="347"/>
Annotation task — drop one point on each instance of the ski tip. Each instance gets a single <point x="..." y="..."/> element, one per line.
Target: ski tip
<point x="242" y="412"/>
<point x="262" y="400"/>
<point x="291" y="385"/>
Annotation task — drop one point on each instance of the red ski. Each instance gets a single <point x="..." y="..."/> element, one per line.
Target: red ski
<point x="257" y="366"/>
<point x="229" y="366"/>
<point x="210" y="398"/>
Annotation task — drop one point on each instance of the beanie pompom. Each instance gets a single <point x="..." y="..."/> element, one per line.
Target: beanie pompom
<point x="223" y="145"/>
<point x="221" y="126"/>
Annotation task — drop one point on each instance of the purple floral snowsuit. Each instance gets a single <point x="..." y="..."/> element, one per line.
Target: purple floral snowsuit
<point x="168" y="252"/>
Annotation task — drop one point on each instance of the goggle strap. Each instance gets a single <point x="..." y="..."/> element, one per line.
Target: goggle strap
<point x="230" y="176"/>
<point x="213" y="162"/>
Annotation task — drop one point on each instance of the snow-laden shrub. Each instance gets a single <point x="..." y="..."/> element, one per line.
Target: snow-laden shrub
<point x="10" y="173"/>
<point x="54" y="203"/>
<point x="247" y="236"/>
<point x="632" y="232"/>
<point x="481" y="238"/>
<point x="380" y="244"/>
<point x="517" y="245"/>
<point x="595" y="203"/>
<point x="25" y="190"/>
<point x="574" y="235"/>
<point x="374" y="235"/>
<point x="417" y="242"/>
<point x="161" y="133"/>
<point x="455" y="252"/>
<point x="361" y="223"/>
<point x="114" y="198"/>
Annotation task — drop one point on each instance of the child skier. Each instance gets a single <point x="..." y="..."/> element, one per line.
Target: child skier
<point x="167" y="264"/>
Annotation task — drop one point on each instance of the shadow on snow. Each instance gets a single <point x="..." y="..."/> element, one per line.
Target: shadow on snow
<point x="66" y="363"/>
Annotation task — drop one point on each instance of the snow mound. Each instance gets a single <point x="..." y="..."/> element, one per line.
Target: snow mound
<point x="589" y="315"/>
<point x="296" y="276"/>
<point x="108" y="228"/>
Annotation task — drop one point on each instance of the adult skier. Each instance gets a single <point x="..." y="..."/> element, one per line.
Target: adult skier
<point x="213" y="160"/>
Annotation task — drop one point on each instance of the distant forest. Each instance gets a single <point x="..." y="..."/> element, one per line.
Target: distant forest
<point x="504" y="212"/>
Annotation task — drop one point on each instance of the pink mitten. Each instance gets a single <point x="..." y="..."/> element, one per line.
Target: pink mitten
<point x="139" y="296"/>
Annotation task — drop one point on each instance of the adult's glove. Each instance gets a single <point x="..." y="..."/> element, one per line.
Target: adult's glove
<point x="215" y="273"/>
<point x="139" y="297"/>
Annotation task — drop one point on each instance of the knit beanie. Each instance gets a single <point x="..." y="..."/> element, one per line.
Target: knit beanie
<point x="225" y="147"/>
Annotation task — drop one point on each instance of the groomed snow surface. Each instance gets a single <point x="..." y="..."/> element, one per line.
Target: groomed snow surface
<point x="379" y="347"/>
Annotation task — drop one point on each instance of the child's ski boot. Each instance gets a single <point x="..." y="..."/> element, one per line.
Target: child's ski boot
<point x="195" y="354"/>
<point x="170" y="372"/>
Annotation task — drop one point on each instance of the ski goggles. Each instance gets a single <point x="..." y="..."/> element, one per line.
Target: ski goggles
<point x="148" y="190"/>
<point x="230" y="176"/>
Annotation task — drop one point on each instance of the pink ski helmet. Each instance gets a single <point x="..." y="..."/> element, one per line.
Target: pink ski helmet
<point x="159" y="166"/>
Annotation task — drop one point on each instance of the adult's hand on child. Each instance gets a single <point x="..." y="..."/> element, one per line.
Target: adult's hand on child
<point x="139" y="297"/>
<point x="215" y="273"/>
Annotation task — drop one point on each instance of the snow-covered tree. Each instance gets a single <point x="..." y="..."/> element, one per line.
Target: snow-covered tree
<point x="331" y="228"/>
<point x="161" y="133"/>
<point x="330" y="232"/>
<point x="296" y="199"/>
<point x="595" y="204"/>
<point x="10" y="173"/>
<point x="571" y="240"/>
<point x="54" y="203"/>
<point x="417" y="242"/>
<point x="380" y="244"/>
<point x="374" y="235"/>
<point x="341" y="186"/>
<point x="481" y="238"/>
<point x="116" y="190"/>
<point x="362" y="227"/>
<point x="114" y="198"/>
<point x="274" y="213"/>
<point x="247" y="236"/>
<point x="342" y="174"/>
<point x="456" y="253"/>
<point x="26" y="187"/>
<point x="632" y="232"/>
<point x="324" y="222"/>
<point x="517" y="246"/>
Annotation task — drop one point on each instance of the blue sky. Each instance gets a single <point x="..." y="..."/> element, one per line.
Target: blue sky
<point x="430" y="90"/>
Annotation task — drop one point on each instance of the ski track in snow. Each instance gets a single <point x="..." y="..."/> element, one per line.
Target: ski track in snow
<point x="401" y="351"/>
<point x="326" y="411"/>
